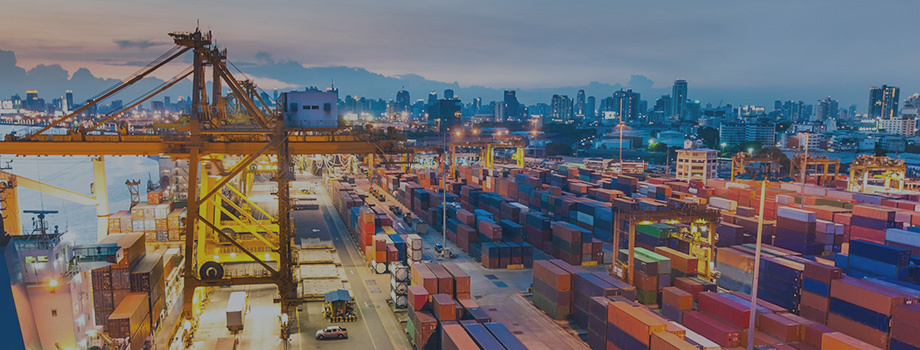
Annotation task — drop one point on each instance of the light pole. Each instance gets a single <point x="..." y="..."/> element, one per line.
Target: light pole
<point x="757" y="248"/>
<point x="804" y="166"/>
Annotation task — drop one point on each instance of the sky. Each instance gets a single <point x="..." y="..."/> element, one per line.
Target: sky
<point x="743" y="52"/>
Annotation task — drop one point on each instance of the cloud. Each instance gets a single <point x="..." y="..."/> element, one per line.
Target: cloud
<point x="141" y="44"/>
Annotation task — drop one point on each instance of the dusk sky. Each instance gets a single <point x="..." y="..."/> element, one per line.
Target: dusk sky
<point x="726" y="49"/>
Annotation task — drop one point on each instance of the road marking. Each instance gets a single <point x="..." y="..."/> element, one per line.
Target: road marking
<point x="352" y="255"/>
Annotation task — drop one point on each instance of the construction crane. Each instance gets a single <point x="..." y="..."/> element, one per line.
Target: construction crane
<point x="867" y="171"/>
<point x="697" y="215"/>
<point x="821" y="164"/>
<point x="206" y="136"/>
<point x="741" y="160"/>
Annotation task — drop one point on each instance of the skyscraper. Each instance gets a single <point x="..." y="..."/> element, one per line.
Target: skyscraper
<point x="591" y="107"/>
<point x="402" y="101"/>
<point x="512" y="108"/>
<point x="448" y="94"/>
<point x="580" y="104"/>
<point x="561" y="109"/>
<point x="678" y="98"/>
<point x="625" y="104"/>
<point x="827" y="109"/>
<point x="68" y="99"/>
<point x="883" y="102"/>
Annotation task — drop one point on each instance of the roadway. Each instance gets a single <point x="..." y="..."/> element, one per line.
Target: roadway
<point x="377" y="327"/>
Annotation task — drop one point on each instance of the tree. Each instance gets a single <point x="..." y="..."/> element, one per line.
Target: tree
<point x="558" y="149"/>
<point x="879" y="151"/>
<point x="777" y="154"/>
<point x="658" y="147"/>
<point x="710" y="136"/>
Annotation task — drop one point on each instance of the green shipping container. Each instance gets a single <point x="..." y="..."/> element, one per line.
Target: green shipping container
<point x="657" y="230"/>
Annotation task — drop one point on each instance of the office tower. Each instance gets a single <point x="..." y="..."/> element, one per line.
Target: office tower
<point x="696" y="164"/>
<point x="561" y="109"/>
<point x="448" y="94"/>
<point x="883" y="102"/>
<point x="68" y="98"/>
<point x="444" y="115"/>
<point x="626" y="104"/>
<point x="432" y="98"/>
<point x="580" y="104"/>
<point x="665" y="105"/>
<point x="402" y="101"/>
<point x="827" y="109"/>
<point x="512" y="108"/>
<point x="591" y="108"/>
<point x="678" y="97"/>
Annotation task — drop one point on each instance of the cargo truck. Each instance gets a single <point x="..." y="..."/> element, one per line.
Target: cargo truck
<point x="236" y="311"/>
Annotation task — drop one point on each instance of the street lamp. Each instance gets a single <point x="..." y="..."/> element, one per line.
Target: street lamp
<point x="751" y="150"/>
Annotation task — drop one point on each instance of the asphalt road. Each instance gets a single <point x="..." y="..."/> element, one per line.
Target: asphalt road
<point x="376" y="327"/>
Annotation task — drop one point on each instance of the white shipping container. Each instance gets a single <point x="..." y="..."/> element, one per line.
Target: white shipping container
<point x="416" y="255"/>
<point x="722" y="203"/>
<point x="785" y="199"/>
<point x="795" y="214"/>
<point x="825" y="227"/>
<point x="161" y="211"/>
<point x="137" y="225"/>
<point x="150" y="225"/>
<point x="816" y="191"/>
<point x="797" y="188"/>
<point x="900" y="236"/>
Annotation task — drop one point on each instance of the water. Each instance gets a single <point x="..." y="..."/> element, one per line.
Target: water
<point x="75" y="174"/>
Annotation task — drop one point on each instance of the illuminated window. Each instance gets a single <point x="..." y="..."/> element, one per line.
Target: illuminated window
<point x="30" y="259"/>
<point x="53" y="312"/>
<point x="42" y="258"/>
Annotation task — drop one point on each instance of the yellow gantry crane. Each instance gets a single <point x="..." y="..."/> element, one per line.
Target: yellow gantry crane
<point x="212" y="131"/>
<point x="884" y="172"/>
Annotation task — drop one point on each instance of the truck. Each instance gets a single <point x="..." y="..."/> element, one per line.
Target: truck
<point x="305" y="202"/>
<point x="236" y="311"/>
<point x="227" y="343"/>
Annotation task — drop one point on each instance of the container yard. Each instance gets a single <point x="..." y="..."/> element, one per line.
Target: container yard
<point x="284" y="229"/>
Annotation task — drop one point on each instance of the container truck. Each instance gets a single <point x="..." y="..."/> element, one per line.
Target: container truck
<point x="236" y="311"/>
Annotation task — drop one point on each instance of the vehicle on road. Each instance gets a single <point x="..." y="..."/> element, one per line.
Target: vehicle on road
<point x="332" y="332"/>
<point x="438" y="247"/>
<point x="236" y="311"/>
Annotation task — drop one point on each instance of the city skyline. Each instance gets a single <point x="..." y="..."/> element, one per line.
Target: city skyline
<point x="739" y="53"/>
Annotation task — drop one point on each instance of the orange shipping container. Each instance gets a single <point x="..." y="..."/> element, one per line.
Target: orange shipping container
<point x="677" y="298"/>
<point x="679" y="261"/>
<point x="669" y="341"/>
<point x="632" y="321"/>
<point x="840" y="341"/>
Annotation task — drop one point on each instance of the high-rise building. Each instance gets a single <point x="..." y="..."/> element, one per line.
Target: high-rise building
<point x="580" y="104"/>
<point x="512" y="108"/>
<point x="432" y="98"/>
<point x="31" y="102"/>
<point x="664" y="105"/>
<point x="403" y="101"/>
<point x="591" y="107"/>
<point x="68" y="98"/>
<point x="827" y="109"/>
<point x="562" y="109"/>
<point x="678" y="97"/>
<point x="476" y="106"/>
<point x="762" y="130"/>
<point x="883" y="102"/>
<point x="625" y="104"/>
<point x="445" y="115"/>
<point x="448" y="94"/>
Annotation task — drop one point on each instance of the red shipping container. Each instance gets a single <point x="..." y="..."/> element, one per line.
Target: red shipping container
<point x="724" y="308"/>
<point x="418" y="297"/>
<point x="715" y="330"/>
<point x="905" y="324"/>
<point x="445" y="279"/>
<point x="444" y="307"/>
<point x="461" y="278"/>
